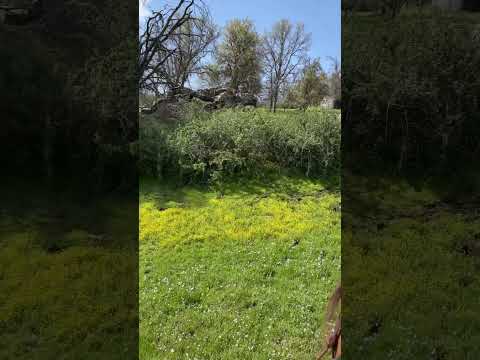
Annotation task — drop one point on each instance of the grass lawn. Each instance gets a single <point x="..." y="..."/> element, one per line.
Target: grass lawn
<point x="410" y="272"/>
<point x="60" y="296"/>
<point x="244" y="273"/>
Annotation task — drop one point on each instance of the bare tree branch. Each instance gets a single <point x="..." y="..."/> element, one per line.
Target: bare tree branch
<point x="285" y="49"/>
<point x="154" y="45"/>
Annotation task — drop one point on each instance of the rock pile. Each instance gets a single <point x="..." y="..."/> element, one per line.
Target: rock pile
<point x="211" y="99"/>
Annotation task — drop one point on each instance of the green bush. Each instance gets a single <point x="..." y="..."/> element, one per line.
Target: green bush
<point x="309" y="141"/>
<point x="155" y="151"/>
<point x="207" y="147"/>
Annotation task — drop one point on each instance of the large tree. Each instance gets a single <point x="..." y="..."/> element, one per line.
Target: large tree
<point x="335" y="82"/>
<point x="211" y="76"/>
<point x="239" y="56"/>
<point x="311" y="87"/>
<point x="285" y="48"/>
<point x="192" y="42"/>
<point x="155" y="43"/>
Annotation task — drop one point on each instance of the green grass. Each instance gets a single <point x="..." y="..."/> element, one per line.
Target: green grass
<point x="404" y="267"/>
<point x="60" y="296"/>
<point x="243" y="272"/>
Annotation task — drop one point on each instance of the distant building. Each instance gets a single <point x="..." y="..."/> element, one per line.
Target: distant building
<point x="327" y="102"/>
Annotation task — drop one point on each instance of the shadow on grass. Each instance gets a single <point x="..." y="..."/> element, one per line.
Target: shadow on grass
<point x="287" y="185"/>
<point x="68" y="278"/>
<point x="63" y="216"/>
<point x="410" y="255"/>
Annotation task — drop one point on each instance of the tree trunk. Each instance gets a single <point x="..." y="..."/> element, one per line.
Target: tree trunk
<point x="275" y="99"/>
<point x="271" y="94"/>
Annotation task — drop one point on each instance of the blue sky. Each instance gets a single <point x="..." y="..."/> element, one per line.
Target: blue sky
<point x="321" y="18"/>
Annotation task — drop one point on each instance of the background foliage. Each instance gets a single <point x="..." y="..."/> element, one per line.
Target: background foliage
<point x="410" y="100"/>
<point x="206" y="146"/>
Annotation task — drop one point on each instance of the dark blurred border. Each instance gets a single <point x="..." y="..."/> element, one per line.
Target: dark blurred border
<point x="411" y="179"/>
<point x="69" y="184"/>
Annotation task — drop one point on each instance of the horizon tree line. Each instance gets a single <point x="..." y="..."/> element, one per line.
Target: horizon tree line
<point x="180" y="42"/>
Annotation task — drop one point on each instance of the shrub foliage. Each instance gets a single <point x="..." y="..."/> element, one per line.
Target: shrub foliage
<point x="205" y="147"/>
